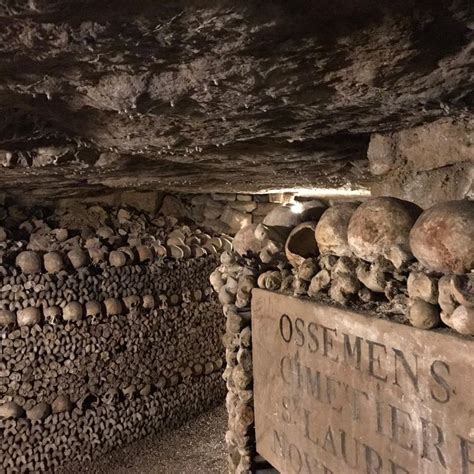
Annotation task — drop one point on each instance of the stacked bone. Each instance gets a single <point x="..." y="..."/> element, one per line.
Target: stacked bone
<point x="234" y="280"/>
<point x="256" y="247"/>
<point x="358" y="255"/>
<point x="97" y="354"/>
<point x="442" y="288"/>
<point x="95" y="235"/>
<point x="384" y="256"/>
<point x="229" y="212"/>
<point x="352" y="255"/>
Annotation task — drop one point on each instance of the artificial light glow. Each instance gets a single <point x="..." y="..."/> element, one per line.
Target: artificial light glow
<point x="296" y="207"/>
<point x="340" y="192"/>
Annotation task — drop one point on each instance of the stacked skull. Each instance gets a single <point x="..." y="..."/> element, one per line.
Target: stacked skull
<point x="96" y="354"/>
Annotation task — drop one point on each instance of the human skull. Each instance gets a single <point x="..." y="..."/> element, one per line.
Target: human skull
<point x="113" y="307"/>
<point x="129" y="392"/>
<point x="331" y="230"/>
<point x="7" y="318"/>
<point x="217" y="280"/>
<point x="343" y="287"/>
<point x="445" y="295"/>
<point x="225" y="296"/>
<point x="320" y="281"/>
<point x="53" y="262"/>
<point x="160" y="251"/>
<point x="263" y="233"/>
<point x="38" y="412"/>
<point x="381" y="227"/>
<point x="117" y="258"/>
<point x="28" y="316"/>
<point x="148" y="302"/>
<point x="60" y="234"/>
<point x="246" y="283"/>
<point x="132" y="303"/>
<point x="11" y="410"/>
<point x="29" y="262"/>
<point x="462" y="289"/>
<point x="78" y="258"/>
<point x="52" y="314"/>
<point x="163" y="301"/>
<point x="105" y="232"/>
<point x="97" y="254"/>
<point x="111" y="397"/>
<point x="301" y="244"/>
<point x="442" y="239"/>
<point x="372" y="276"/>
<point x="186" y="295"/>
<point x="62" y="403"/>
<point x="93" y="310"/>
<point x="72" y="311"/>
<point x="422" y="286"/>
<point x="227" y="258"/>
<point x="422" y="314"/>
<point x="308" y="268"/>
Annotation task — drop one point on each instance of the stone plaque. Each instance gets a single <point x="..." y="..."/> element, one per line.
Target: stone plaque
<point x="338" y="392"/>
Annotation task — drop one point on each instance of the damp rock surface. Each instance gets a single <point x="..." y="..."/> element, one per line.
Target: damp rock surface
<point x="231" y="95"/>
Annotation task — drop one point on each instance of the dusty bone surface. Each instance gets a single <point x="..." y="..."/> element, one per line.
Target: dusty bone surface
<point x="404" y="290"/>
<point x="94" y="356"/>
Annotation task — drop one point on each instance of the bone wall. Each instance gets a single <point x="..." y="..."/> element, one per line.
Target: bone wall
<point x="229" y="212"/>
<point x="385" y="257"/>
<point x="109" y="331"/>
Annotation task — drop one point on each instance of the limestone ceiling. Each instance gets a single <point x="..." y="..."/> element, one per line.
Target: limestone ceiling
<point x="240" y="95"/>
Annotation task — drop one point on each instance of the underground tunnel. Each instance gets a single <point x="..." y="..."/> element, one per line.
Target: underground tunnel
<point x="237" y="237"/>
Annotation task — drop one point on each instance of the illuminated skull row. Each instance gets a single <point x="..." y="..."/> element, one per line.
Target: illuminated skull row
<point x="368" y="248"/>
<point x="440" y="238"/>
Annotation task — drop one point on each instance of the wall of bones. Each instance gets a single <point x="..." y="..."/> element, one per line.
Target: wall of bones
<point x="111" y="318"/>
<point x="109" y="330"/>
<point x="385" y="257"/>
<point x="229" y="212"/>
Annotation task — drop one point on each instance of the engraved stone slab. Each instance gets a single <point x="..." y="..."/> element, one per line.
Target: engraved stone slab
<point x="340" y="392"/>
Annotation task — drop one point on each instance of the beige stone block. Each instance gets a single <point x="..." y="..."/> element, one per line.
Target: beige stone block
<point x="244" y="206"/>
<point x="244" y="197"/>
<point x="226" y="197"/>
<point x="281" y="198"/>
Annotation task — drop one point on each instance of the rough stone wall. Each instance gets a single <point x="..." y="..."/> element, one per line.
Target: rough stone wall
<point x="427" y="164"/>
<point x="384" y="257"/>
<point x="98" y="353"/>
<point x="239" y="95"/>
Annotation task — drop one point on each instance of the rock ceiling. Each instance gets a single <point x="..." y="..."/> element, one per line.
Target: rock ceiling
<point x="241" y="95"/>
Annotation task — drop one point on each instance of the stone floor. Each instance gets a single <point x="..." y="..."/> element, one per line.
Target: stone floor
<point x="197" y="447"/>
